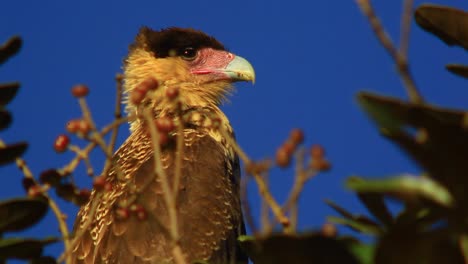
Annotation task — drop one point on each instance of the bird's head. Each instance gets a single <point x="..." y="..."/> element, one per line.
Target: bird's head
<point x="197" y="64"/>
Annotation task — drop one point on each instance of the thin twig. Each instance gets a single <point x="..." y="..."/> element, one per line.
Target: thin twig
<point x="83" y="156"/>
<point x="77" y="236"/>
<point x="246" y="206"/>
<point x="167" y="192"/>
<point x="117" y="116"/>
<point x="262" y="187"/>
<point x="71" y="166"/>
<point x="405" y="27"/>
<point x="291" y="204"/>
<point x="179" y="150"/>
<point x="264" y="208"/>
<point x="97" y="136"/>
<point x="399" y="59"/>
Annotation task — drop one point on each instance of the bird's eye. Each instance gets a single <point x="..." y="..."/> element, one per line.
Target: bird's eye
<point x="188" y="53"/>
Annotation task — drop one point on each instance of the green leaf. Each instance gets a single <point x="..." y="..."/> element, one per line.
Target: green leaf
<point x="297" y="249"/>
<point x="9" y="153"/>
<point x="359" y="226"/>
<point x="395" y="115"/>
<point x="457" y="69"/>
<point x="464" y="246"/>
<point x="10" y="48"/>
<point x="21" y="248"/>
<point x="404" y="187"/>
<point x="363" y="252"/>
<point x="21" y="213"/>
<point x="359" y="223"/>
<point x="383" y="116"/>
<point x="436" y="138"/>
<point x="447" y="23"/>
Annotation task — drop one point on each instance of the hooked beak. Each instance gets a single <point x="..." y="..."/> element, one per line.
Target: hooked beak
<point x="239" y="69"/>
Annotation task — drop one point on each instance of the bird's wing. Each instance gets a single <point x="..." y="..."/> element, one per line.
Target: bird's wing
<point x="208" y="206"/>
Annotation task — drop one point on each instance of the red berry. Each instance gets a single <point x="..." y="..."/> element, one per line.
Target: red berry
<point x="28" y="183"/>
<point x="108" y="186"/>
<point x="296" y="136"/>
<point x="172" y="92"/>
<point x="80" y="90"/>
<point x="66" y="191"/>
<point x="289" y="148"/>
<point x="99" y="183"/>
<point x="320" y="164"/>
<point x="73" y="126"/>
<point x="136" y="96"/>
<point x="84" y="127"/>
<point x="122" y="213"/>
<point x="283" y="158"/>
<point x="164" y="124"/>
<point x="83" y="196"/>
<point x="35" y="191"/>
<point x="317" y="152"/>
<point x="139" y="211"/>
<point x="61" y="143"/>
<point x="148" y="84"/>
<point x="329" y="230"/>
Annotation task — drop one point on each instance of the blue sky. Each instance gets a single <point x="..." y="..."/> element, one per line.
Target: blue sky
<point x="310" y="57"/>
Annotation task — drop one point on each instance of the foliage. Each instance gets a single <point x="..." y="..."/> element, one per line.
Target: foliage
<point x="19" y="213"/>
<point x="432" y="226"/>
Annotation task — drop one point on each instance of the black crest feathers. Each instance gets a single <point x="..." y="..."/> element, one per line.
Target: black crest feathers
<point x="173" y="39"/>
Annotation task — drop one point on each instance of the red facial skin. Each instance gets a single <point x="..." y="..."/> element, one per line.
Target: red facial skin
<point x="213" y="62"/>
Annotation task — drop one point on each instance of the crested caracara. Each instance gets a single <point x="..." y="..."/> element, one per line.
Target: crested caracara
<point x="208" y="205"/>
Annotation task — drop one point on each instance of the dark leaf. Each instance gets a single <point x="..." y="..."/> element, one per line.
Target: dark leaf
<point x="358" y="223"/>
<point x="411" y="246"/>
<point x="8" y="92"/>
<point x="10" y="48"/>
<point x="10" y="152"/>
<point x="299" y="249"/>
<point x="436" y="138"/>
<point x="448" y="24"/>
<point x="405" y="187"/>
<point x="44" y="260"/>
<point x="5" y="119"/>
<point x="358" y="226"/>
<point x="50" y="176"/>
<point x="18" y="214"/>
<point x="457" y="69"/>
<point x="375" y="203"/>
<point x="418" y="217"/>
<point x="66" y="191"/>
<point x="339" y="209"/>
<point x="21" y="248"/>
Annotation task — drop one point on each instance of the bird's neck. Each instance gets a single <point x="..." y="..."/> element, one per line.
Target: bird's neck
<point x="207" y="120"/>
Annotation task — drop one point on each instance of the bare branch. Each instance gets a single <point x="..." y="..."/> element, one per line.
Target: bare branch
<point x="167" y="192"/>
<point x="405" y="27"/>
<point x="399" y="58"/>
